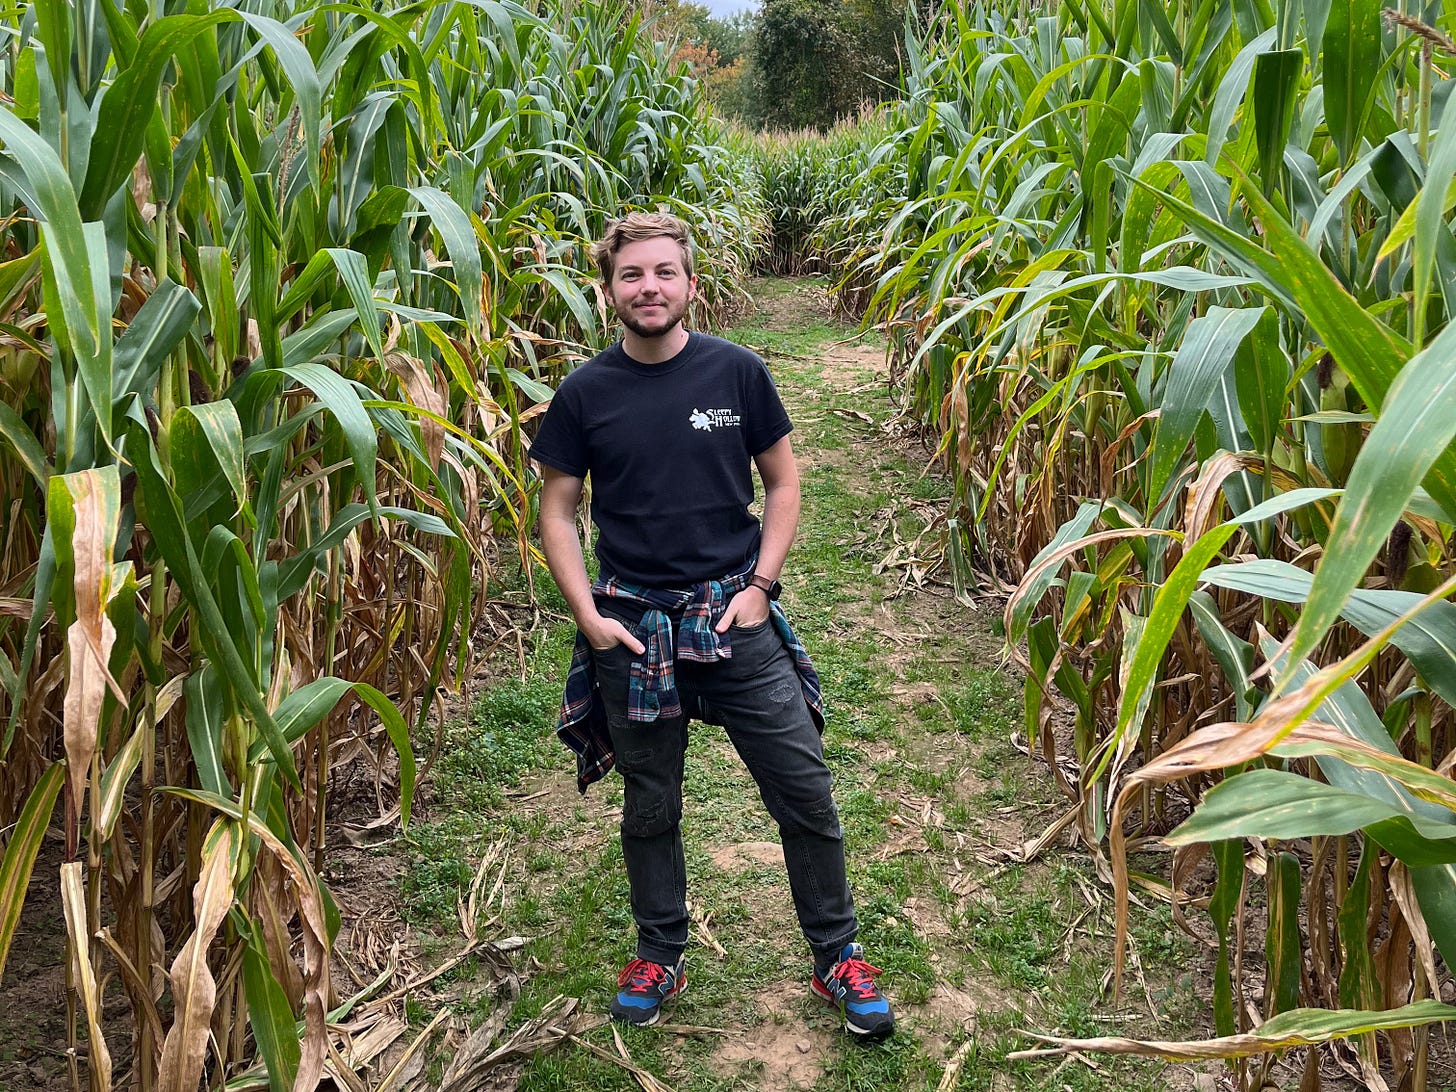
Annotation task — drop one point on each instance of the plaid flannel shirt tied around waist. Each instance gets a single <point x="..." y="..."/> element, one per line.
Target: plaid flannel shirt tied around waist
<point x="652" y="691"/>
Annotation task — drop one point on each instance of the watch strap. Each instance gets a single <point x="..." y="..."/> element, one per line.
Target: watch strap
<point x="769" y="587"/>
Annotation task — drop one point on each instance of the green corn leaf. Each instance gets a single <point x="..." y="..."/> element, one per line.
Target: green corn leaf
<point x="53" y="26"/>
<point x="215" y="275"/>
<point x="1276" y="804"/>
<point x="1352" y="48"/>
<point x="1366" y="349"/>
<point x="72" y="252"/>
<point x="114" y="780"/>
<point x="264" y="240"/>
<point x="1207" y="352"/>
<point x="301" y="710"/>
<point x="1431" y="228"/>
<point x="1223" y="902"/>
<point x="1276" y="84"/>
<point x="156" y="330"/>
<point x="1261" y="379"/>
<point x="1231" y="92"/>
<point x="275" y="1030"/>
<point x="293" y="58"/>
<point x="26" y="447"/>
<point x="1416" y="426"/>
<point x="355" y="274"/>
<point x="1429" y="638"/>
<point x="130" y="102"/>
<point x="305" y="707"/>
<point x="205" y="728"/>
<point x="314" y="276"/>
<point x="234" y="579"/>
<point x="21" y="848"/>
<point x="398" y="732"/>
<point x="207" y="444"/>
<point x="1359" y="983"/>
<point x="322" y="331"/>
<point x="1283" y="949"/>
<point x="455" y="228"/>
<point x="339" y="397"/>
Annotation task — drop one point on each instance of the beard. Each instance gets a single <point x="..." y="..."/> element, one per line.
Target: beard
<point x="658" y="324"/>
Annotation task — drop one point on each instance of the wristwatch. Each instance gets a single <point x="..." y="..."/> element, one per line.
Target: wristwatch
<point x="771" y="588"/>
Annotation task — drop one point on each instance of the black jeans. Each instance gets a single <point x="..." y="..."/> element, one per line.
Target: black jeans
<point x="757" y="697"/>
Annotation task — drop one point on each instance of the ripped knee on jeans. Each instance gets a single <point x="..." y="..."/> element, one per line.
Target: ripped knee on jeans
<point x="818" y="816"/>
<point x="646" y="815"/>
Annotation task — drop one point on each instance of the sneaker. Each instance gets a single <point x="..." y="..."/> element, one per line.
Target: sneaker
<point x="645" y="986"/>
<point x="850" y="984"/>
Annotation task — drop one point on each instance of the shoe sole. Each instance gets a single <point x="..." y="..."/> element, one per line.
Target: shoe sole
<point x="868" y="1034"/>
<point x="656" y="1016"/>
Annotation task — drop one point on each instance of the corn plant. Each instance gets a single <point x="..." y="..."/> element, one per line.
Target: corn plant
<point x="1165" y="281"/>
<point x="279" y="288"/>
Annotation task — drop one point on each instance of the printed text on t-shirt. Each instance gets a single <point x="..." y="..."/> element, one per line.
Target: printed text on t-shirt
<point x="707" y="420"/>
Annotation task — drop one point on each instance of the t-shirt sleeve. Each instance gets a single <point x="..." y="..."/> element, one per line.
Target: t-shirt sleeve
<point x="768" y="421"/>
<point x="559" y="441"/>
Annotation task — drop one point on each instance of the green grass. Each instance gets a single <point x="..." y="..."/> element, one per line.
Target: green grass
<point x="910" y="718"/>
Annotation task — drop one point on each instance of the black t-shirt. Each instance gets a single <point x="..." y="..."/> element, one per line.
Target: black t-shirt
<point x="669" y="448"/>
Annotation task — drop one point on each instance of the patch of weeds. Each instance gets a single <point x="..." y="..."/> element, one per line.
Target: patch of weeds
<point x="870" y="1067"/>
<point x="507" y="736"/>
<point x="769" y="342"/>
<point x="548" y="595"/>
<point x="1006" y="773"/>
<point x="928" y="781"/>
<point x="1016" y="931"/>
<point x="528" y="911"/>
<point x="838" y="753"/>
<point x="892" y="944"/>
<point x="985" y="705"/>
<point x="437" y="873"/>
<point x="545" y="861"/>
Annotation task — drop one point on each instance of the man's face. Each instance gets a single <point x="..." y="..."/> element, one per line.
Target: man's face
<point x="650" y="290"/>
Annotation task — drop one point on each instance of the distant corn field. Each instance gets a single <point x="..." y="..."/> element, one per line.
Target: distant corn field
<point x="1174" y="284"/>
<point x="278" y="289"/>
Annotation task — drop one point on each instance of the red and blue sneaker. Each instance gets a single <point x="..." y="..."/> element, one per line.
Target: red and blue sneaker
<point x="850" y="985"/>
<point x="644" y="987"/>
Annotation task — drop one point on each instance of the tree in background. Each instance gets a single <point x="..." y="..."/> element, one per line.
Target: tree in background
<point x="716" y="50"/>
<point x="792" y="64"/>
<point x="816" y="62"/>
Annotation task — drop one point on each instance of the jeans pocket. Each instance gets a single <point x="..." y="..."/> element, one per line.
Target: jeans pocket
<point x="618" y="658"/>
<point x="757" y="627"/>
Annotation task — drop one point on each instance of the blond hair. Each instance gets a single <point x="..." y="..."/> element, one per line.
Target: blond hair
<point x="634" y="228"/>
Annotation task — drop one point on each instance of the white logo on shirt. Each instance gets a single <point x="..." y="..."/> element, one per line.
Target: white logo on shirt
<point x="707" y="420"/>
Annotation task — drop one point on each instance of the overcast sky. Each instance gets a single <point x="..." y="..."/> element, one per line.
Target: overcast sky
<point x="721" y="8"/>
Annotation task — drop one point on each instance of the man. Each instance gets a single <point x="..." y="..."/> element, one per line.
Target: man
<point x="683" y="620"/>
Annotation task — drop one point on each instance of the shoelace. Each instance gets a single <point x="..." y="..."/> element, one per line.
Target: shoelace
<point x="858" y="975"/>
<point x="642" y="975"/>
